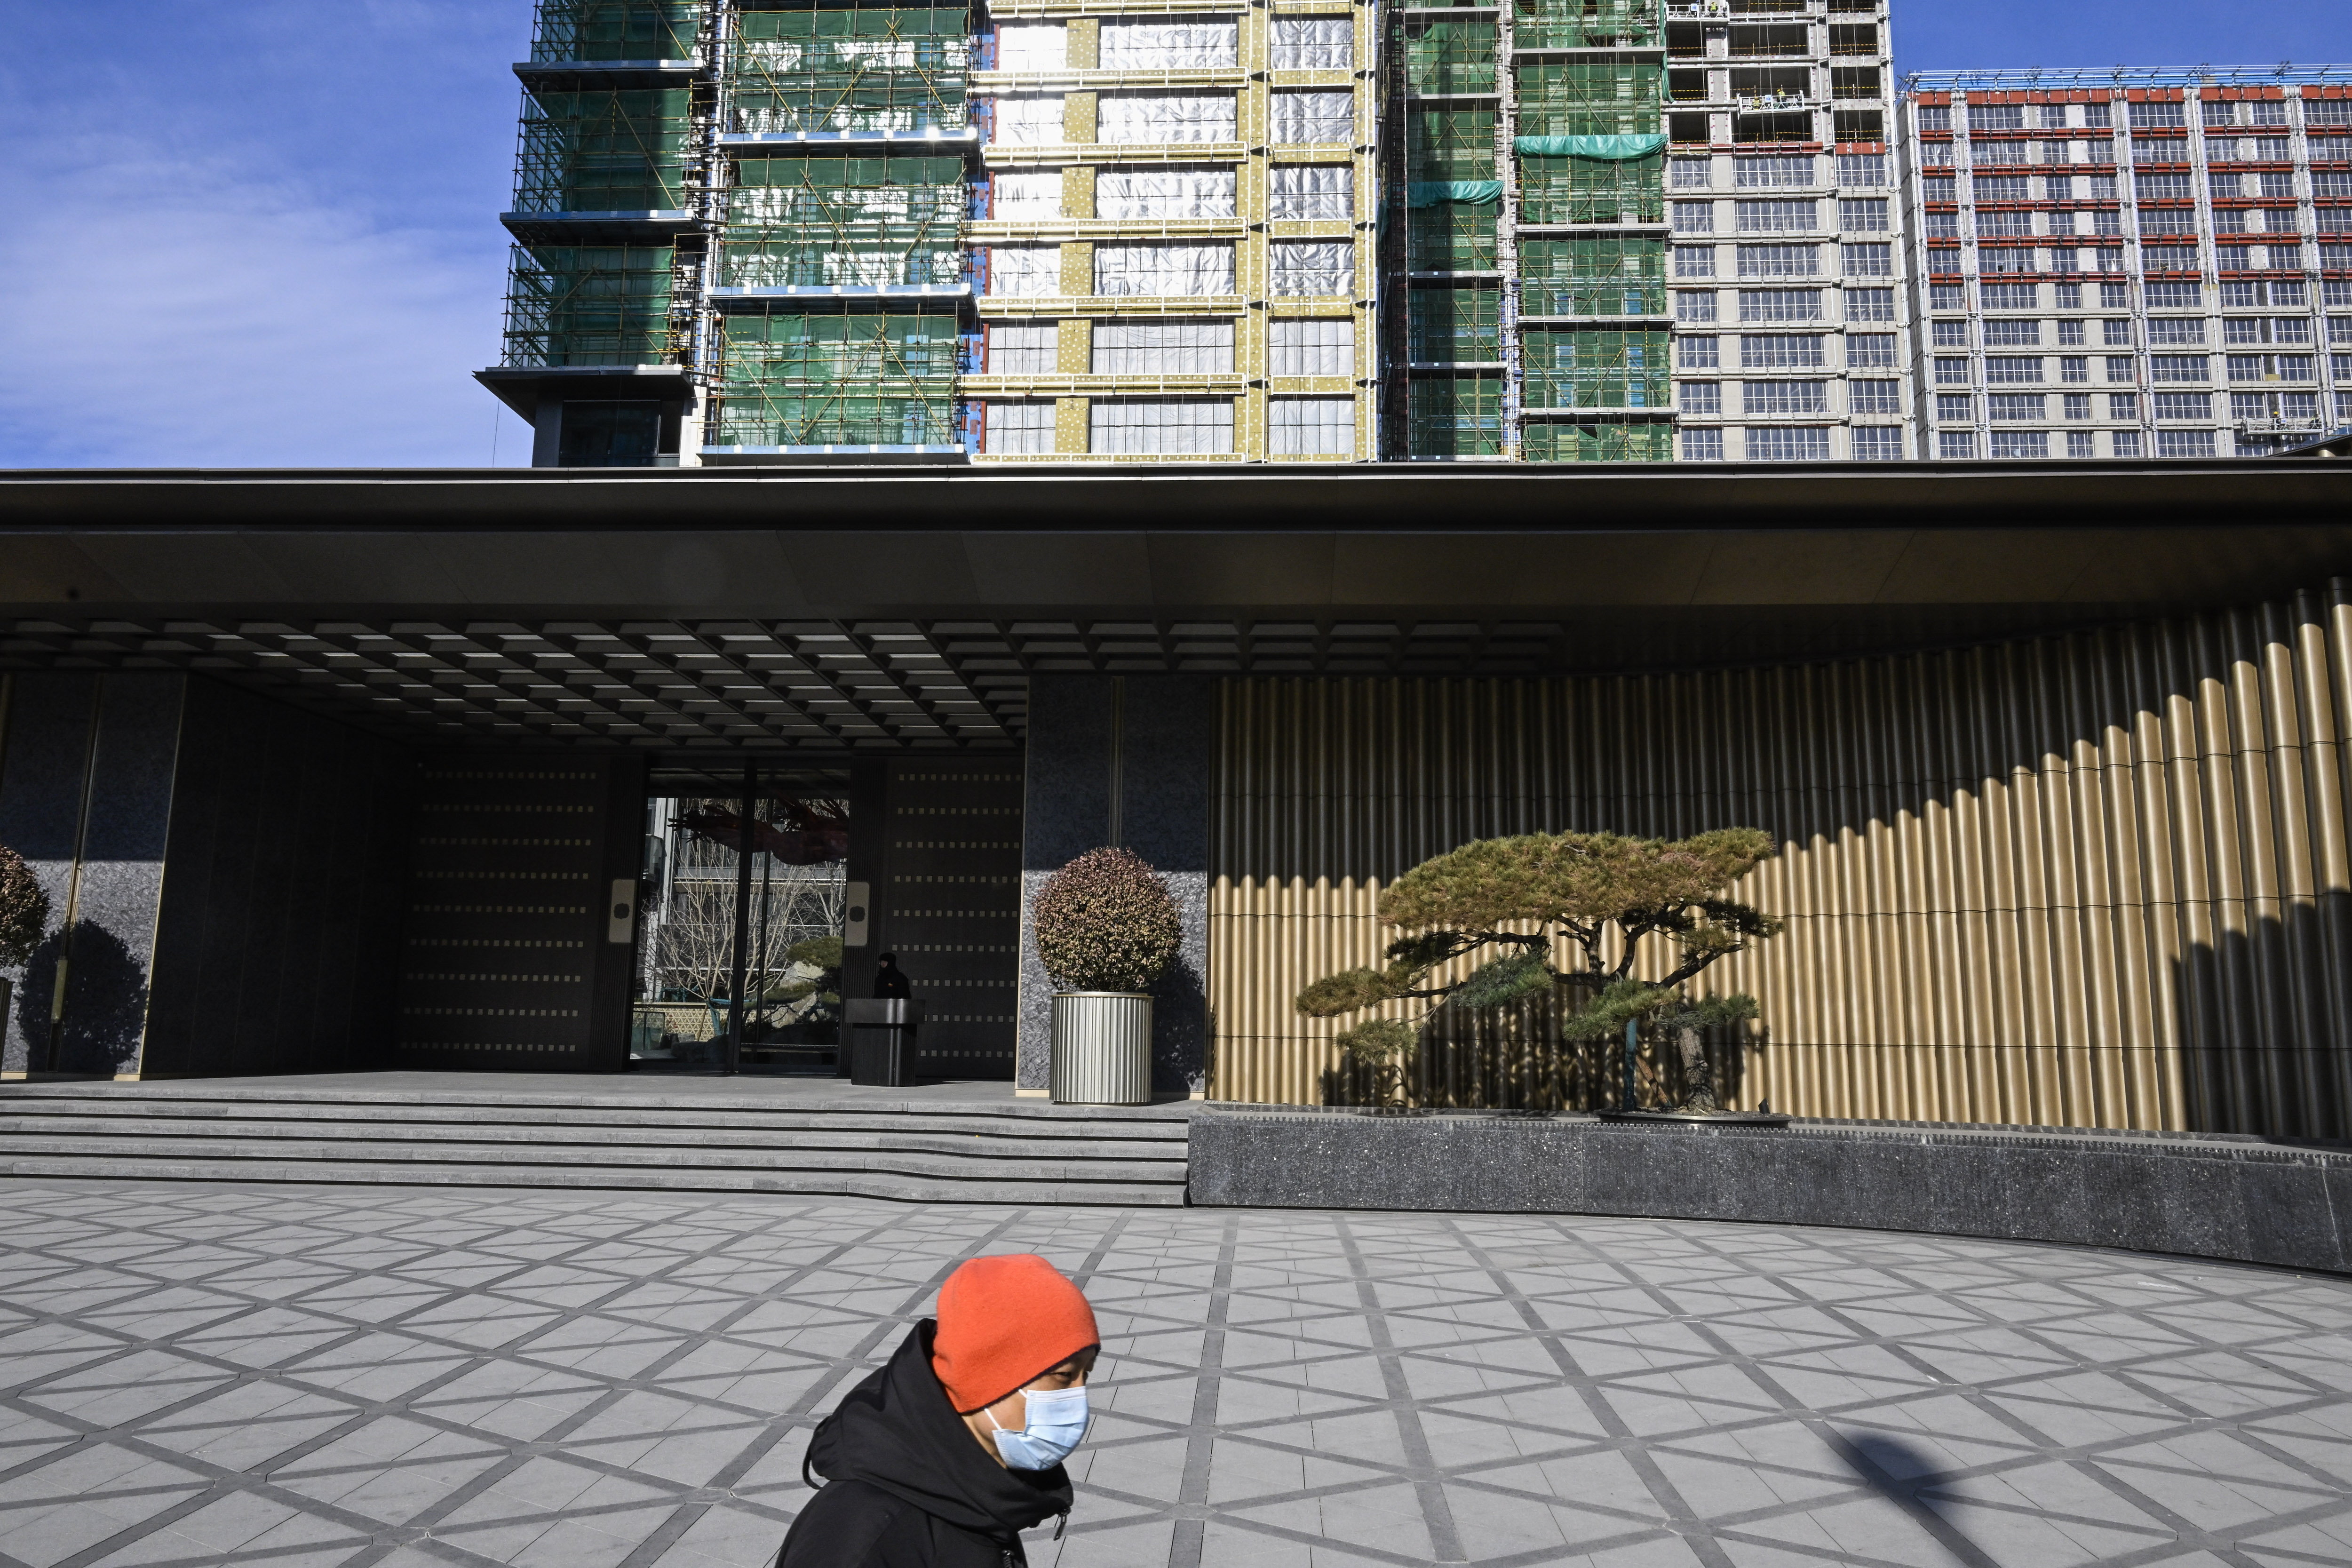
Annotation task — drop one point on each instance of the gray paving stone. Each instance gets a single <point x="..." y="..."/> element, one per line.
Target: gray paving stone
<point x="408" y="1378"/>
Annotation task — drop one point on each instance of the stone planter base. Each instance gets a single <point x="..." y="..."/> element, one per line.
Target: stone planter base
<point x="1102" y="1047"/>
<point x="2211" y="1196"/>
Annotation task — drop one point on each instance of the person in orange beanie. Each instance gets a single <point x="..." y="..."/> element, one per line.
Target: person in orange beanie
<point x="941" y="1458"/>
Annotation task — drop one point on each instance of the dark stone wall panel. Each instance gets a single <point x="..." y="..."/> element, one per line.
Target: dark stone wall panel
<point x="281" y="921"/>
<point x="1153" y="739"/>
<point x="2242" y="1199"/>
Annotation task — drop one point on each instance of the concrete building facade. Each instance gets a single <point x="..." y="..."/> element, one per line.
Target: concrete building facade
<point x="2126" y="264"/>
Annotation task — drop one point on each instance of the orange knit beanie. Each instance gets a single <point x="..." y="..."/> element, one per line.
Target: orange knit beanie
<point x="1003" y="1322"/>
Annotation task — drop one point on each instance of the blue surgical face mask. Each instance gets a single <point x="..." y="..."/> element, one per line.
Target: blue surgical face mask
<point x="1056" y="1425"/>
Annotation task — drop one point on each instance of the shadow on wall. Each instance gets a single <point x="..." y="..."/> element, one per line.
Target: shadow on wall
<point x="2094" y="880"/>
<point x="105" y="1005"/>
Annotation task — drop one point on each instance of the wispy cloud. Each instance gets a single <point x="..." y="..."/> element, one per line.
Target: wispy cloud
<point x="256" y="235"/>
<point x="163" y="309"/>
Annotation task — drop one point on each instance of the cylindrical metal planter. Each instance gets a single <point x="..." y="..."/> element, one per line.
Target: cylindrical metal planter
<point x="1102" y="1047"/>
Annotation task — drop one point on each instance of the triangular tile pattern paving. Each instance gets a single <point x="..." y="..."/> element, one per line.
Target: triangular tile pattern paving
<point x="391" y="1378"/>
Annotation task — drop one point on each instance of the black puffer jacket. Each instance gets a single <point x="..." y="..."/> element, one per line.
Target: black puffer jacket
<point x="905" y="1487"/>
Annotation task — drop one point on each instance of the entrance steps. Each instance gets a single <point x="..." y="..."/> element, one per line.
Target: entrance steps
<point x="916" y="1149"/>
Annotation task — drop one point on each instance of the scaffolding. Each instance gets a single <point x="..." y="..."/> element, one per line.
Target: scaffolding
<point x="1455" y="326"/>
<point x="1455" y="417"/>
<point x="1574" y="189"/>
<point x="1443" y="144"/>
<point x="848" y="69"/>
<point x="1597" y="367"/>
<point x="1546" y="441"/>
<point x="616" y="30"/>
<point x="1450" y="56"/>
<point x="581" y="305"/>
<point x="836" y="375"/>
<point x="856" y="222"/>
<point x="1586" y="24"/>
<point x="1594" y="275"/>
<point x="1590" y="98"/>
<point x="603" y="150"/>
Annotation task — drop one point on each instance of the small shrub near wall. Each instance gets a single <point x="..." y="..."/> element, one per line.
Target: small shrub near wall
<point x="1103" y="923"/>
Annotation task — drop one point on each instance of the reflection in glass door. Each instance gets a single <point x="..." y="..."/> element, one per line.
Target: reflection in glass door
<point x="738" y="933"/>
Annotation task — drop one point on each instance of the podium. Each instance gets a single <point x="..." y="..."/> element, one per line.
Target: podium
<point x="882" y="1039"/>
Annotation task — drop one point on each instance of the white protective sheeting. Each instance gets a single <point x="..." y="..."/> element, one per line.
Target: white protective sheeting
<point x="1031" y="120"/>
<point x="1190" y="270"/>
<point x="1033" y="46"/>
<point x="1314" y="42"/>
<point x="1311" y="267"/>
<point x="1015" y="270"/>
<point x="1170" y="43"/>
<point x="1184" y="427"/>
<point x="1310" y="348"/>
<point x="1032" y="349"/>
<point x="1164" y="117"/>
<point x="1322" y="117"/>
<point x="1020" y="429"/>
<point x="1310" y="428"/>
<point x="1163" y="348"/>
<point x="1310" y="191"/>
<point x="1026" y="194"/>
<point x="1164" y="193"/>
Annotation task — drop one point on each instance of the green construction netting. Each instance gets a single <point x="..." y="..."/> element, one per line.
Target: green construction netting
<point x="1615" y="147"/>
<point x="1455" y="417"/>
<point x="836" y="69"/>
<point x="1450" y="57"/>
<point x="1591" y="190"/>
<point x="1542" y="441"/>
<point x="1452" y="236"/>
<point x="1588" y="368"/>
<point x="1582" y="98"/>
<point x="1585" y="24"/>
<point x="1454" y="326"/>
<point x="604" y="152"/>
<point x="807" y="378"/>
<point x="1594" y="275"/>
<point x="1436" y="192"/>
<point x="589" y="305"/>
<point x="615" y="29"/>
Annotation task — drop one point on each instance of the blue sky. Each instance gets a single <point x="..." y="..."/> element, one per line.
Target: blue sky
<point x="266" y="233"/>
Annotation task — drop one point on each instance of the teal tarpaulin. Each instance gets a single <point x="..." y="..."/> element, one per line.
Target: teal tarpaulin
<point x="1431" y="193"/>
<point x="1617" y="148"/>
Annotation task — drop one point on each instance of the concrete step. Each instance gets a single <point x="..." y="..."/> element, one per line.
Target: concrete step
<point x="907" y="1135"/>
<point x="733" y="1118"/>
<point x="915" y="1150"/>
<point x="634" y="1102"/>
<point x="816" y="1184"/>
<point x="553" y="1153"/>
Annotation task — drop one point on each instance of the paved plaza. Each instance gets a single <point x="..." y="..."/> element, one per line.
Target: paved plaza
<point x="368" y="1376"/>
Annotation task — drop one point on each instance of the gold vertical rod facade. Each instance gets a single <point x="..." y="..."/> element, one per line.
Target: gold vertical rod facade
<point x="2101" y="880"/>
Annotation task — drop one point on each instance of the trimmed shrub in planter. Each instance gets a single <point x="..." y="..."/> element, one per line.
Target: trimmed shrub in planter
<point x="1105" y="932"/>
<point x="24" y="909"/>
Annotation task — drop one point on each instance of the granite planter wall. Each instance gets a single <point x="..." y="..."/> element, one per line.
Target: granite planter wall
<point x="2239" y="1198"/>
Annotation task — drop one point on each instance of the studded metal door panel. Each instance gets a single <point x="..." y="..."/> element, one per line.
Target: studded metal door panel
<point x="954" y="912"/>
<point x="507" y="914"/>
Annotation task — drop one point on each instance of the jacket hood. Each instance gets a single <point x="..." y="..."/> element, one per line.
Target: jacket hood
<point x="896" y="1431"/>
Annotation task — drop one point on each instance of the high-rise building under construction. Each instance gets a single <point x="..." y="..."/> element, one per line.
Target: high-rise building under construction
<point x="1314" y="231"/>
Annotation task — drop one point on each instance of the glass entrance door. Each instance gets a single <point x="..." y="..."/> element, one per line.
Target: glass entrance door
<point x="740" y="923"/>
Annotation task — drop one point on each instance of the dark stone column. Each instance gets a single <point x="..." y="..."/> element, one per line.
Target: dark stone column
<point x="1125" y="760"/>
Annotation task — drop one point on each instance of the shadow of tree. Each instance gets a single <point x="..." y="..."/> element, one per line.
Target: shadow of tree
<point x="106" y="1002"/>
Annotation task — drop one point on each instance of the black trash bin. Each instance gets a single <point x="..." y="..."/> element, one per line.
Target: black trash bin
<point x="881" y="1040"/>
